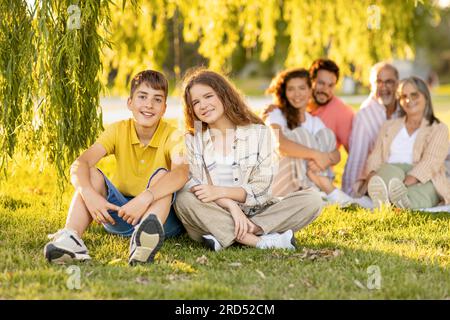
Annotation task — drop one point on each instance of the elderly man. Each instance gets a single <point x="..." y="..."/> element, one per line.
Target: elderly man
<point x="380" y="106"/>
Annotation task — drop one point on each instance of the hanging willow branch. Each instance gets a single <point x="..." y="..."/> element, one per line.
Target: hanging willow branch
<point x="69" y="72"/>
<point x="17" y="53"/>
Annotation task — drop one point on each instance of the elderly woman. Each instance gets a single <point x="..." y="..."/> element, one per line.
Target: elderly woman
<point x="406" y="167"/>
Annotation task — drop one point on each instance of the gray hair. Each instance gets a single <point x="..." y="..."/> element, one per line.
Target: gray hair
<point x="422" y="87"/>
<point x="376" y="68"/>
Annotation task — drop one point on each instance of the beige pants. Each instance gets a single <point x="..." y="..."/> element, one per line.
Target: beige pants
<point x="294" y="212"/>
<point x="291" y="174"/>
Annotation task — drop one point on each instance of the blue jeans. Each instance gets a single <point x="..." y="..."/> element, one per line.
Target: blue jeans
<point x="172" y="227"/>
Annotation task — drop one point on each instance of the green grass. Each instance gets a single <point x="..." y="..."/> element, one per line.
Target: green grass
<point x="411" y="249"/>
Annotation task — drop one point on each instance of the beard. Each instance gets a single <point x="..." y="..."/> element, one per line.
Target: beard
<point x="386" y="100"/>
<point x="321" y="103"/>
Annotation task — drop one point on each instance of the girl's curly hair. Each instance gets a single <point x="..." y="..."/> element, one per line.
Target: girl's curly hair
<point x="278" y="89"/>
<point x="235" y="107"/>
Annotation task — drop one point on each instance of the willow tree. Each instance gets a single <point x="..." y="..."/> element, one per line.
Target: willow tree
<point x="17" y="53"/>
<point x="136" y="32"/>
<point x="69" y="76"/>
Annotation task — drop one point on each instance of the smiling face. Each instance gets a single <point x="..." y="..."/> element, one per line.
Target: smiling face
<point x="207" y="105"/>
<point x="385" y="86"/>
<point x="323" y="87"/>
<point x="147" y="105"/>
<point x="412" y="101"/>
<point x="298" y="92"/>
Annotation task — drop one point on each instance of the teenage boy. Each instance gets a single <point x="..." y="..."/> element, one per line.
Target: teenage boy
<point x="138" y="200"/>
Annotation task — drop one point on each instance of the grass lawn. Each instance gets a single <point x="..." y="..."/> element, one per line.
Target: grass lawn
<point x="336" y="258"/>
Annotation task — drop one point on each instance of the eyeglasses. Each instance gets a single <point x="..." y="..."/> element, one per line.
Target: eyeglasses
<point x="388" y="83"/>
<point x="412" y="97"/>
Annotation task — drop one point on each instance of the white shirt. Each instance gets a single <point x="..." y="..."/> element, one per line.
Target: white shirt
<point x="312" y="124"/>
<point x="224" y="169"/>
<point x="402" y="147"/>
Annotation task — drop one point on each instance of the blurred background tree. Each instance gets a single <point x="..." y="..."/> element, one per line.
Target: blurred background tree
<point x="56" y="57"/>
<point x="261" y="37"/>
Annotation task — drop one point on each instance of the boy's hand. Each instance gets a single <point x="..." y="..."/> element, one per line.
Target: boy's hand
<point x="98" y="207"/>
<point x="268" y="110"/>
<point x="207" y="193"/>
<point x="133" y="211"/>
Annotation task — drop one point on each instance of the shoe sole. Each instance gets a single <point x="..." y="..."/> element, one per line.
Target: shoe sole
<point x="58" y="255"/>
<point x="398" y="194"/>
<point x="149" y="239"/>
<point x="378" y="191"/>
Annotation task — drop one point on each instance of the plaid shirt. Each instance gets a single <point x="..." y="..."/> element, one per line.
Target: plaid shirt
<point x="254" y="167"/>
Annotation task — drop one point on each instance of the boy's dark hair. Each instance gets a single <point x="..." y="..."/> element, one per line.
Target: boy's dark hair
<point x="323" y="64"/>
<point x="153" y="78"/>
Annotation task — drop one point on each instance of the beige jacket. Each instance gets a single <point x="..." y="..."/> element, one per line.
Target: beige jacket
<point x="430" y="151"/>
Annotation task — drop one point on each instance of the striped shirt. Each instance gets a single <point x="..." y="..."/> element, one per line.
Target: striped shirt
<point x="254" y="167"/>
<point x="366" y="125"/>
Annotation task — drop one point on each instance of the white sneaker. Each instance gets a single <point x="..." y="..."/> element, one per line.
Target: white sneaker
<point x="339" y="197"/>
<point x="66" y="246"/>
<point x="398" y="194"/>
<point x="378" y="191"/>
<point x="285" y="240"/>
<point x="211" y="242"/>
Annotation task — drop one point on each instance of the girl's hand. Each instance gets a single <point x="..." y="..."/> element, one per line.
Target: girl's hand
<point x="312" y="166"/>
<point x="207" y="193"/>
<point x="241" y="223"/>
<point x="322" y="160"/>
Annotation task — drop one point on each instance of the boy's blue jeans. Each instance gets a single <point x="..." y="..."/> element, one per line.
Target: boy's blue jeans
<point x="172" y="226"/>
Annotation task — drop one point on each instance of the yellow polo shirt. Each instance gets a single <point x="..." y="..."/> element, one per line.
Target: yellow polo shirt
<point x="136" y="162"/>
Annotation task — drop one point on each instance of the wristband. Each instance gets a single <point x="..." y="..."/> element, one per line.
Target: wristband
<point x="151" y="192"/>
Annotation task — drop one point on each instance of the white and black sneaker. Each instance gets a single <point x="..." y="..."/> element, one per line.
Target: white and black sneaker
<point x="211" y="242"/>
<point x="66" y="246"/>
<point x="146" y="240"/>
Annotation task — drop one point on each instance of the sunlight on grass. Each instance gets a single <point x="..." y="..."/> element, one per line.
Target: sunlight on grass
<point x="332" y="261"/>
